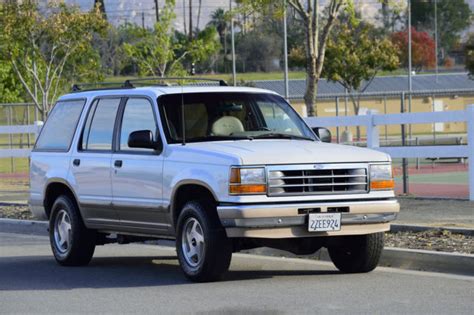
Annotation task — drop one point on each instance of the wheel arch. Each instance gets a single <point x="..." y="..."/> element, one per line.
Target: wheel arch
<point x="55" y="188"/>
<point x="187" y="191"/>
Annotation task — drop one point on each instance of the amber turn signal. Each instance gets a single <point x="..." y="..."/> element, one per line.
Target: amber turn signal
<point x="235" y="176"/>
<point x="382" y="184"/>
<point x="248" y="189"/>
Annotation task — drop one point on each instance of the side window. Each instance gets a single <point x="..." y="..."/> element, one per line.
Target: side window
<point x="99" y="128"/>
<point x="59" y="129"/>
<point x="138" y="115"/>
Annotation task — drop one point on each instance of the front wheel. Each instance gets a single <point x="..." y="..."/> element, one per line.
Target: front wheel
<point x="204" y="251"/>
<point x="358" y="254"/>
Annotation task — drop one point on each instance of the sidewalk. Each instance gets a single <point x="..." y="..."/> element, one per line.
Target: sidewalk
<point x="436" y="212"/>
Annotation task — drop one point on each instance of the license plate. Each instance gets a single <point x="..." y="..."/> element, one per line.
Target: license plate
<point x="324" y="222"/>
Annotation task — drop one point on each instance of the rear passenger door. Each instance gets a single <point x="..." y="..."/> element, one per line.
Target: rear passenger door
<point x="91" y="163"/>
<point x="137" y="173"/>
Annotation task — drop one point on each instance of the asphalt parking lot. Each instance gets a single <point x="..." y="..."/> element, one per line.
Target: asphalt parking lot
<point x="147" y="279"/>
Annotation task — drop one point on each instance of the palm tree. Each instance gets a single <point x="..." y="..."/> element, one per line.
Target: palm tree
<point x="101" y="5"/>
<point x="219" y="21"/>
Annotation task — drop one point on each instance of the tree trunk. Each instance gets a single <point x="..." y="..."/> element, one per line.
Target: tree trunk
<point x="199" y="14"/>
<point x="184" y="18"/>
<point x="356" y="104"/>
<point x="225" y="51"/>
<point x="311" y="86"/>
<point x="190" y="9"/>
<point x="157" y="11"/>
<point x="312" y="75"/>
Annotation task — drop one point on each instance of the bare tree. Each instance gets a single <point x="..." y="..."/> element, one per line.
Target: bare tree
<point x="316" y="40"/>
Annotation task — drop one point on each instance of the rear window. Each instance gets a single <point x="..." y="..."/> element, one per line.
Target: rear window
<point x="58" y="131"/>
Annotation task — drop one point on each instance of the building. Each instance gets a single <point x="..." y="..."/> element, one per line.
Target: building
<point x="385" y="94"/>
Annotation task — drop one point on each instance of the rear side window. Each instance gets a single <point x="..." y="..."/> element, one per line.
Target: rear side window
<point x="99" y="129"/>
<point x="59" y="129"/>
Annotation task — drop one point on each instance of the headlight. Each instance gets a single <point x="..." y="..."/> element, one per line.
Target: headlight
<point x="381" y="177"/>
<point x="247" y="181"/>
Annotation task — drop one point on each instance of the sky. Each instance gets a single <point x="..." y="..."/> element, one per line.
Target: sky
<point x="121" y="11"/>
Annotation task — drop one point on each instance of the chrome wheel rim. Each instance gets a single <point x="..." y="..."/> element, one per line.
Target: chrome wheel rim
<point x="192" y="242"/>
<point x="62" y="231"/>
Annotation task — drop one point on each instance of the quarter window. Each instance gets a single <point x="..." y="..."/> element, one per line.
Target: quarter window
<point x="59" y="129"/>
<point x="138" y="115"/>
<point x="99" y="129"/>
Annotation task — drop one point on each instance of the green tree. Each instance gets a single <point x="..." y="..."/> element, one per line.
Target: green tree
<point x="355" y="56"/>
<point x="159" y="52"/>
<point x="11" y="89"/>
<point x="258" y="50"/>
<point x="220" y="20"/>
<point x="454" y="16"/>
<point x="470" y="55"/>
<point x="43" y="48"/>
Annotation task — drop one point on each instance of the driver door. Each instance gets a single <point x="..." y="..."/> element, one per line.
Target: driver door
<point x="137" y="190"/>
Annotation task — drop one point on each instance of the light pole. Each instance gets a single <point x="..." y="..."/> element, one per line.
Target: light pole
<point x="404" y="160"/>
<point x="285" y="52"/>
<point x="436" y="36"/>
<point x="409" y="48"/>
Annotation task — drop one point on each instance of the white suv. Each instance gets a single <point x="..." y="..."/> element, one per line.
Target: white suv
<point x="217" y="168"/>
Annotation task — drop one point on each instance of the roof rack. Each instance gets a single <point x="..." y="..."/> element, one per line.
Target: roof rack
<point x="132" y="83"/>
<point x="80" y="87"/>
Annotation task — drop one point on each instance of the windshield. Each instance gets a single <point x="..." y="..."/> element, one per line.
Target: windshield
<point x="230" y="116"/>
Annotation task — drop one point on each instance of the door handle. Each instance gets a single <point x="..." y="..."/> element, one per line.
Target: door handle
<point x="76" y="162"/>
<point x="118" y="163"/>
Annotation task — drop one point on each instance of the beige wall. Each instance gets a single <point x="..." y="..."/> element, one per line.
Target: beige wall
<point x="327" y="108"/>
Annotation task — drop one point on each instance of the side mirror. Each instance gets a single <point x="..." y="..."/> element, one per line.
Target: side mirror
<point x="143" y="139"/>
<point x="323" y="134"/>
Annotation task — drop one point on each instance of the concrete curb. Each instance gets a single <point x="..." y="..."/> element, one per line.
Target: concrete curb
<point x="411" y="259"/>
<point x="421" y="228"/>
<point x="24" y="226"/>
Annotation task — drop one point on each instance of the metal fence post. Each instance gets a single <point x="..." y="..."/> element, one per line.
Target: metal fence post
<point x="470" y="143"/>
<point x="10" y="138"/>
<point x="337" y="114"/>
<point x="373" y="137"/>
<point x="404" y="160"/>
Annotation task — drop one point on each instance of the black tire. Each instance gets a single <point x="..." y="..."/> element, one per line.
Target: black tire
<point x="80" y="244"/>
<point x="358" y="254"/>
<point x="213" y="248"/>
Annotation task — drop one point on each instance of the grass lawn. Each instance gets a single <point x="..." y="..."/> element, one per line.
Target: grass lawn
<point x="20" y="165"/>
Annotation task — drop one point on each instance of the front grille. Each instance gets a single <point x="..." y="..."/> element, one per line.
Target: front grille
<point x="317" y="180"/>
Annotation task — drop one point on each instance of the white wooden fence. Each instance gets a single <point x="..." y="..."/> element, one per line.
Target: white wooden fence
<point x="11" y="130"/>
<point x="372" y="123"/>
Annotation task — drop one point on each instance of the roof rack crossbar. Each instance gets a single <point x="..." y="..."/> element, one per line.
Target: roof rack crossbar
<point x="221" y="82"/>
<point x="81" y="87"/>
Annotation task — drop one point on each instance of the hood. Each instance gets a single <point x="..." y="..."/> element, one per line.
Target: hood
<point x="282" y="151"/>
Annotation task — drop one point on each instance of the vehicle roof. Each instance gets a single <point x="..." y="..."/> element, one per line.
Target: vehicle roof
<point x="156" y="91"/>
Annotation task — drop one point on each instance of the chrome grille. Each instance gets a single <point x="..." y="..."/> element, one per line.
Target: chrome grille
<point x="317" y="179"/>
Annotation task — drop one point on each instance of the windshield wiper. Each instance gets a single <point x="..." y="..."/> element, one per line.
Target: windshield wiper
<point x="275" y="135"/>
<point x="218" y="138"/>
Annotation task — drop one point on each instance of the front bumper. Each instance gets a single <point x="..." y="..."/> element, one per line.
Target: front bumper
<point x="290" y="220"/>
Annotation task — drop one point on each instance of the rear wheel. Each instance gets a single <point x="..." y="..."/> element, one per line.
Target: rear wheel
<point x="72" y="243"/>
<point x="204" y="251"/>
<point x="359" y="253"/>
